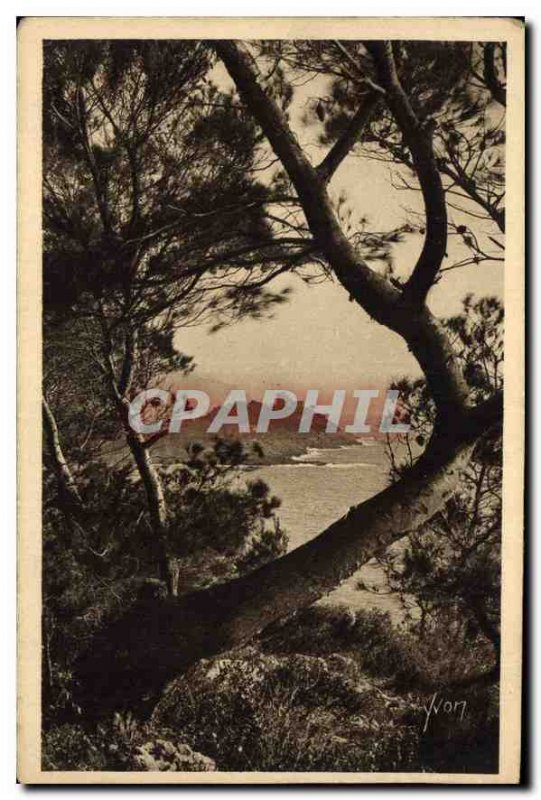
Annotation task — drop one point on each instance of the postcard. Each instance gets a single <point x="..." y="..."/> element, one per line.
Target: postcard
<point x="271" y="400"/>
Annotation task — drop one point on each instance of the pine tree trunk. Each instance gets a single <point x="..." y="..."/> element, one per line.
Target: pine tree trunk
<point x="159" y="638"/>
<point x="157" y="506"/>
<point x="67" y="487"/>
<point x="168" y="566"/>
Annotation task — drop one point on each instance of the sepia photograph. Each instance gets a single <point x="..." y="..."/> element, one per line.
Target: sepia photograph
<point x="271" y="296"/>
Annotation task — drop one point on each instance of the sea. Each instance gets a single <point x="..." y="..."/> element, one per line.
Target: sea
<point x="317" y="488"/>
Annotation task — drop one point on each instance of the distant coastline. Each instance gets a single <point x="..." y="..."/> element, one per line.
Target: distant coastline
<point x="279" y="447"/>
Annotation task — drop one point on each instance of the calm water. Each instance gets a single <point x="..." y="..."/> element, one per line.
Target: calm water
<point x="314" y="495"/>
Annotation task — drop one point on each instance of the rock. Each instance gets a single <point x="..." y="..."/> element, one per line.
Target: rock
<point x="161" y="755"/>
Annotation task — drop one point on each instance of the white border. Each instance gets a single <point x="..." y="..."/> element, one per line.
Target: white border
<point x="7" y="316"/>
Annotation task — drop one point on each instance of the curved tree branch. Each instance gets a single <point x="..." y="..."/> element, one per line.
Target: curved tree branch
<point x="349" y="137"/>
<point x="377" y="296"/>
<point x="418" y="138"/>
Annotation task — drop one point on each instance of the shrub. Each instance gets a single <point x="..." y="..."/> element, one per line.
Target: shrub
<point x="251" y="711"/>
<point x="122" y="744"/>
<point x="368" y="637"/>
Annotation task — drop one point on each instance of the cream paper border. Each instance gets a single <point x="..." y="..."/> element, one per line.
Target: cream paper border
<point x="32" y="31"/>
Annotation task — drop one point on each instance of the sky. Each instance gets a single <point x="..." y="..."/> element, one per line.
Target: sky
<point x="319" y="339"/>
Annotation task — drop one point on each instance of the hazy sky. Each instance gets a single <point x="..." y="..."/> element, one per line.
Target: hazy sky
<point x="319" y="339"/>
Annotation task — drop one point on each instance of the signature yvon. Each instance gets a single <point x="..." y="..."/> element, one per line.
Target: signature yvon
<point x="444" y="706"/>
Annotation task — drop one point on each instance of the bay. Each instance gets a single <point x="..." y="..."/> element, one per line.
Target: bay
<point x="319" y="487"/>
